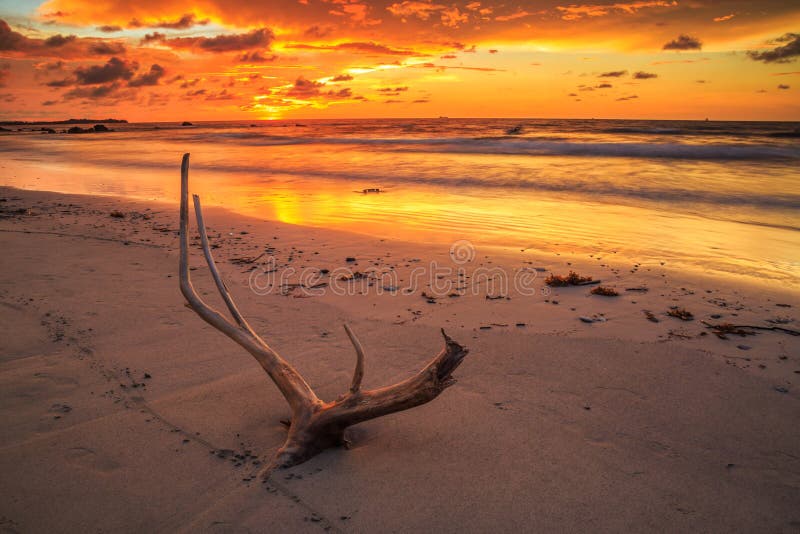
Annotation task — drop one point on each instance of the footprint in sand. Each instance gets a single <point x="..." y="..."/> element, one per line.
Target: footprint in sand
<point x="90" y="459"/>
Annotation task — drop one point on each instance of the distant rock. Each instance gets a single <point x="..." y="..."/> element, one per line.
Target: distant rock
<point x="47" y="130"/>
<point x="5" y="129"/>
<point x="97" y="128"/>
<point x="187" y="123"/>
<point x="68" y="121"/>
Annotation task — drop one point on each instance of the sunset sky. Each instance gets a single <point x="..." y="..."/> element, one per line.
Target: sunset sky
<point x="162" y="60"/>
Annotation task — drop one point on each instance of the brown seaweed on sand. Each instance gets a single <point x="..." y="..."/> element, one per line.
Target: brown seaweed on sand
<point x="571" y="279"/>
<point x="604" y="291"/>
<point x="681" y="313"/>
<point x="723" y="329"/>
<point x="650" y="317"/>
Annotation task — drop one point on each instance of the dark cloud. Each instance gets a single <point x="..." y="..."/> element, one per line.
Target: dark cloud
<point x="100" y="91"/>
<point x="259" y="38"/>
<point x="304" y="88"/>
<point x="109" y="29"/>
<point x="342" y="93"/>
<point x="58" y="46"/>
<point x="784" y="86"/>
<point x="392" y="89"/>
<point x="60" y="83"/>
<point x="59" y="40"/>
<point x="105" y="48"/>
<point x="189" y="83"/>
<point x="614" y="74"/>
<point x="604" y="86"/>
<point x="781" y="54"/>
<point x="186" y="21"/>
<point x="221" y="95"/>
<point x="448" y="56"/>
<point x="421" y="101"/>
<point x="11" y="40"/>
<point x="257" y="57"/>
<point x="153" y="37"/>
<point x="115" y="69"/>
<point x="627" y="98"/>
<point x="684" y="42"/>
<point x="50" y="102"/>
<point x="342" y="78"/>
<point x="316" y="32"/>
<point x="149" y="78"/>
<point x="641" y="75"/>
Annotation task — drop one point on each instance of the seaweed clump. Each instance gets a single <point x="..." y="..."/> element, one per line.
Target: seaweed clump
<point x="604" y="291"/>
<point x="681" y="313"/>
<point x="572" y="279"/>
<point x="723" y="330"/>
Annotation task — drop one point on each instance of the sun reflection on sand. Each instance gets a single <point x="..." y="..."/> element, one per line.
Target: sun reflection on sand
<point x="430" y="197"/>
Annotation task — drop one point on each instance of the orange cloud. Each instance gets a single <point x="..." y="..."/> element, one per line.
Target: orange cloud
<point x="575" y="12"/>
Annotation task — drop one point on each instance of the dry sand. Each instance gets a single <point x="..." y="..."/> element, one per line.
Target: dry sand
<point x="123" y="411"/>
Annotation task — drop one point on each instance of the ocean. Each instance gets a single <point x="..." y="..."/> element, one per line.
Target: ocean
<point x="720" y="198"/>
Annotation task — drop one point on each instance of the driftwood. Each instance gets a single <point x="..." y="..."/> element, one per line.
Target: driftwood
<point x="315" y="425"/>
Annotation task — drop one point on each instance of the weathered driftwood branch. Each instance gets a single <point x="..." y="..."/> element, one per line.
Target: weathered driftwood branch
<point x="315" y="425"/>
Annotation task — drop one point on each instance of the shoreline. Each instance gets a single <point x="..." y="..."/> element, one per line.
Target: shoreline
<point x="686" y="428"/>
<point x="433" y="269"/>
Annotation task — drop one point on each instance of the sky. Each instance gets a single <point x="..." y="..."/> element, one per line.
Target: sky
<point x="175" y="60"/>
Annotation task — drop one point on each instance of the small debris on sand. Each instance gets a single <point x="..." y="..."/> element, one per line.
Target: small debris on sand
<point x="681" y="313"/>
<point x="117" y="214"/>
<point x="650" y="317"/>
<point x="358" y="275"/>
<point x="428" y="298"/>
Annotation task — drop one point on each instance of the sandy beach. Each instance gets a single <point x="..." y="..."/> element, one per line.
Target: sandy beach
<point x="123" y="411"/>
